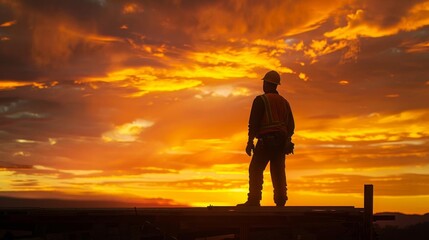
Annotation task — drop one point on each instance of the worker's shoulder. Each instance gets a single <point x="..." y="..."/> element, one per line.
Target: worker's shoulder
<point x="273" y="95"/>
<point x="259" y="97"/>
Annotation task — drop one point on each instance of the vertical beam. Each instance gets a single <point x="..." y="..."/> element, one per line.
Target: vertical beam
<point x="368" y="210"/>
<point x="244" y="232"/>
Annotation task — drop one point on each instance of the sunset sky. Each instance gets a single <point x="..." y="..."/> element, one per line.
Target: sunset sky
<point x="148" y="101"/>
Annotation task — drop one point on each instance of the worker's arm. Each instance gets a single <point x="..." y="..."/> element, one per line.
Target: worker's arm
<point x="291" y="123"/>
<point x="255" y="119"/>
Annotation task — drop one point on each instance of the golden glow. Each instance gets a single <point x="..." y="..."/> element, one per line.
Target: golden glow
<point x="131" y="8"/>
<point x="25" y="141"/>
<point x="303" y="76"/>
<point x="52" y="141"/>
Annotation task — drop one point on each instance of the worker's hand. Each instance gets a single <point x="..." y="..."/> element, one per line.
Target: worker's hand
<point x="249" y="148"/>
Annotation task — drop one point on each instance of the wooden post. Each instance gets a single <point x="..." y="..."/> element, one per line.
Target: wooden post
<point x="368" y="210"/>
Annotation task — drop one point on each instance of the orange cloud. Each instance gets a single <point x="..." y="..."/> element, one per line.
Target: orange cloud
<point x="8" y="24"/>
<point x="418" y="47"/>
<point x="232" y="19"/>
<point x="319" y="48"/>
<point x="358" y="24"/>
<point x="8" y="85"/>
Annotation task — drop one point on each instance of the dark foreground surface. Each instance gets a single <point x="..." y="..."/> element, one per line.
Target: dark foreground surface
<point x="310" y="222"/>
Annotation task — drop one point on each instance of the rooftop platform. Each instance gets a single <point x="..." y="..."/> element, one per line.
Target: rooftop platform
<point x="212" y="222"/>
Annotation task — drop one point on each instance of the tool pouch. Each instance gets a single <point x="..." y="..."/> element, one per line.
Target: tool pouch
<point x="289" y="147"/>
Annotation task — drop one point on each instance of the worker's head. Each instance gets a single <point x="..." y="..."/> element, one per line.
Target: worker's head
<point x="271" y="80"/>
<point x="272" y="77"/>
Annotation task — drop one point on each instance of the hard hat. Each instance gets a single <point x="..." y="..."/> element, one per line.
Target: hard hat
<point x="272" y="77"/>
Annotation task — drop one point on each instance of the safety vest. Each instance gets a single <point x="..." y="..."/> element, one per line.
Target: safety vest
<point x="276" y="114"/>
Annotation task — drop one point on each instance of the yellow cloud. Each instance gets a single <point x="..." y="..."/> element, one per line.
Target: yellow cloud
<point x="13" y="84"/>
<point x="223" y="91"/>
<point x="197" y="66"/>
<point x="375" y="127"/>
<point x="128" y="132"/>
<point x="321" y="48"/>
<point x="232" y="63"/>
<point x="303" y="76"/>
<point x="196" y="145"/>
<point x="144" y="80"/>
<point x="343" y="82"/>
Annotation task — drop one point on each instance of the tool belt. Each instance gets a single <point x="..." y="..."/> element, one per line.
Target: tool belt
<point x="277" y="140"/>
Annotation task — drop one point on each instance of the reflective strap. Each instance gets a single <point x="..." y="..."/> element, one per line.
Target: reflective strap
<point x="269" y="114"/>
<point x="268" y="111"/>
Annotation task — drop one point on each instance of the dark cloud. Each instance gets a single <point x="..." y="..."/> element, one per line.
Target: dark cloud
<point x="382" y="68"/>
<point x="386" y="13"/>
<point x="25" y="183"/>
<point x="13" y="166"/>
<point x="47" y="113"/>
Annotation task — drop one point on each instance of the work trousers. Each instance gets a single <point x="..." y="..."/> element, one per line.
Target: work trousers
<point x="262" y="154"/>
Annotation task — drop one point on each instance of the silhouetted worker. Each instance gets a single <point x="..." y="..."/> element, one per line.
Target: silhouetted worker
<point x="271" y="122"/>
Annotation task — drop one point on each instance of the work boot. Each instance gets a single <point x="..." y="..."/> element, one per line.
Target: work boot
<point x="249" y="204"/>
<point x="282" y="203"/>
